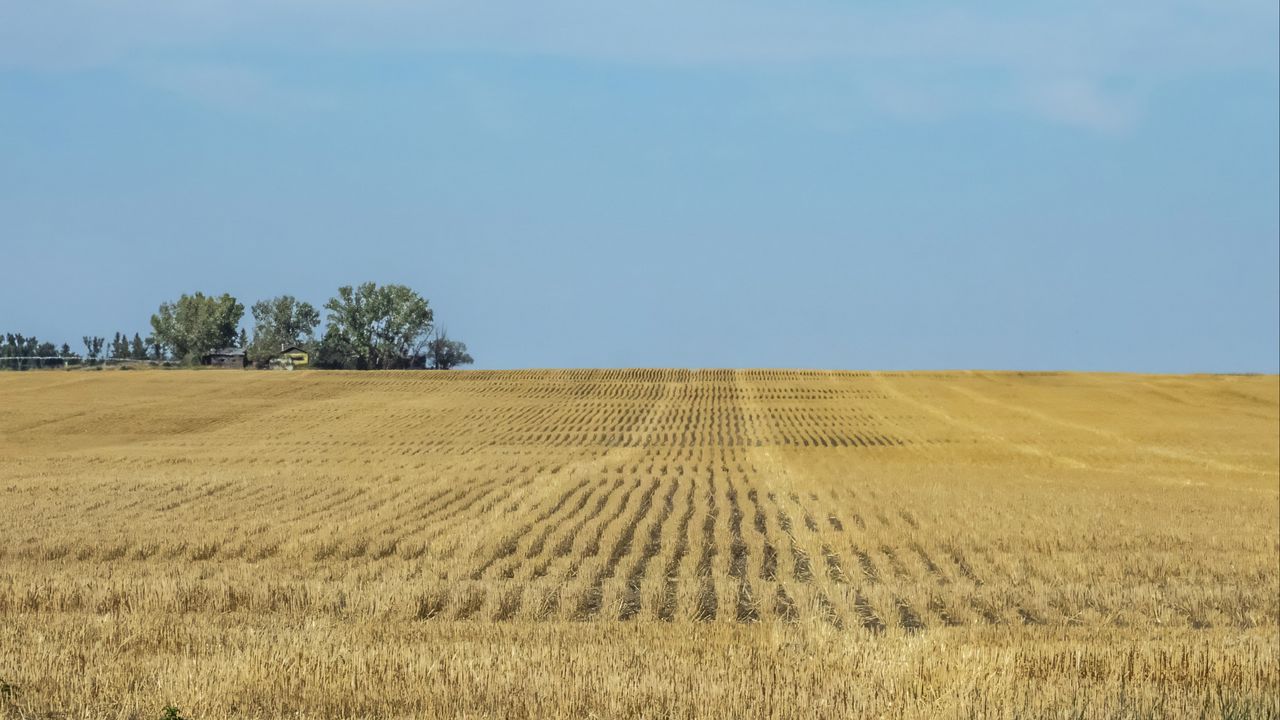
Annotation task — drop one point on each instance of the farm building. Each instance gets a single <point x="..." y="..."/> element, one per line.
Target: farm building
<point x="225" y="358"/>
<point x="292" y="357"/>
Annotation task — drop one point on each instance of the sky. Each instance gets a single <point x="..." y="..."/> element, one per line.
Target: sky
<point x="1080" y="185"/>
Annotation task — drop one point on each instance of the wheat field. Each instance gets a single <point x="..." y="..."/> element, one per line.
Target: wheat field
<point x="638" y="543"/>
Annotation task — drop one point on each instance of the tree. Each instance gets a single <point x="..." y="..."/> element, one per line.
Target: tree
<point x="20" y="352"/>
<point x="331" y="352"/>
<point x="446" y="354"/>
<point x="375" y="327"/>
<point x="280" y="322"/>
<point x="196" y="324"/>
<point x="138" y="349"/>
<point x="19" y="345"/>
<point x="120" y="346"/>
<point x="93" y="347"/>
<point x="243" y="340"/>
<point x="155" y="348"/>
<point x="14" y="345"/>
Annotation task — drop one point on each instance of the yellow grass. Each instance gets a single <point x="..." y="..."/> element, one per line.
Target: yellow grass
<point x="652" y="543"/>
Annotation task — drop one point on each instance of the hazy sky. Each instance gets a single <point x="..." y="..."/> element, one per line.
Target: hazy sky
<point x="1076" y="185"/>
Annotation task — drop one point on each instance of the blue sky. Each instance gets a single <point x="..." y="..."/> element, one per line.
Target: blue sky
<point x="1083" y="185"/>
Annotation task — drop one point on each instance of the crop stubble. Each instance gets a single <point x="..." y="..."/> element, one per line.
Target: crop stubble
<point x="659" y="542"/>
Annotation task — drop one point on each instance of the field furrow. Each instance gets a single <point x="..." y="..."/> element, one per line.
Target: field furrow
<point x="1035" y="537"/>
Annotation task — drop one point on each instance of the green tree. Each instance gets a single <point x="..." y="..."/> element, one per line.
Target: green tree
<point x="92" y="347"/>
<point x="375" y="327"/>
<point x="279" y="322"/>
<point x="120" y="346"/>
<point x="155" y="348"/>
<point x="137" y="349"/>
<point x="196" y="324"/>
<point x="15" y="345"/>
<point x="446" y="354"/>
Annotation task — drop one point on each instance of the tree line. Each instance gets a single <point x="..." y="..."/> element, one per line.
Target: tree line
<point x="368" y="327"/>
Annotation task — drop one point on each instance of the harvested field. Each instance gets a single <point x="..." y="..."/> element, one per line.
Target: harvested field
<point x="663" y="543"/>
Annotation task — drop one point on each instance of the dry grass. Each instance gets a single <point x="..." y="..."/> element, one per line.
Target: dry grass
<point x="638" y="543"/>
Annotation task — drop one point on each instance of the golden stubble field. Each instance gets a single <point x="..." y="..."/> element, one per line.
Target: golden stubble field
<point x="656" y="543"/>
